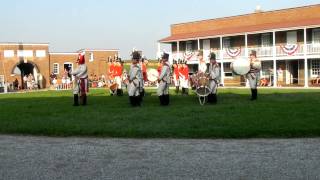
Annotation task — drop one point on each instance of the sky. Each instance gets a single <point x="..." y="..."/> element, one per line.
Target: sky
<point x="70" y="25"/>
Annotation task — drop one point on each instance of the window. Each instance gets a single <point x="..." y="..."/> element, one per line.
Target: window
<point x="292" y="37"/>
<point x="315" y="68"/>
<point x="40" y="53"/>
<point x="55" y="68"/>
<point x="267" y="68"/>
<point x="25" y="53"/>
<point x="316" y="36"/>
<point x="91" y="57"/>
<point x="189" y="46"/>
<point x="8" y="53"/>
<point x="226" y="43"/>
<point x="227" y="70"/>
<point x="265" y="40"/>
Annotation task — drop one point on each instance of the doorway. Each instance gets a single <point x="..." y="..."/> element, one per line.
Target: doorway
<point x="292" y="75"/>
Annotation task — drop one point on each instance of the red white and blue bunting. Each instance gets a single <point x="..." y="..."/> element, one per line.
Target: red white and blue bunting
<point x="233" y="52"/>
<point x="189" y="55"/>
<point x="289" y="49"/>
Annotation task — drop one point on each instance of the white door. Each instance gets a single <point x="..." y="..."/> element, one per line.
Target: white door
<point x="292" y="37"/>
<point x="206" y="49"/>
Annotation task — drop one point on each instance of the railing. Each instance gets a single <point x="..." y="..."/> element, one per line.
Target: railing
<point x="281" y="51"/>
<point x="263" y="51"/>
<point x="313" y="49"/>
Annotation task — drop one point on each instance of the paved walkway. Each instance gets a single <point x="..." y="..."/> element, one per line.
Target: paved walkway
<point x="25" y="157"/>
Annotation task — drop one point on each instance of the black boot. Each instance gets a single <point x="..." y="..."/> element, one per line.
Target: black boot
<point x="137" y="100"/>
<point x="131" y="99"/>
<point x="75" y="100"/>
<point x="210" y="98"/>
<point x="177" y="89"/>
<point x="214" y="98"/>
<point x="253" y="94"/>
<point x="183" y="91"/>
<point x="84" y="100"/>
<point x="161" y="100"/>
<point x="166" y="99"/>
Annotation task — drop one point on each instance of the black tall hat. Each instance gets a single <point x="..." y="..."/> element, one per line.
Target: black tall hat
<point x="212" y="56"/>
<point x="136" y="55"/>
<point x="165" y="56"/>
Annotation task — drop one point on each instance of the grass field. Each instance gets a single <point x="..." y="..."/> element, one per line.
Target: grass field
<point x="277" y="113"/>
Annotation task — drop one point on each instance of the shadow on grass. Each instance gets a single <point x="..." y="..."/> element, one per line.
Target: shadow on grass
<point x="275" y="114"/>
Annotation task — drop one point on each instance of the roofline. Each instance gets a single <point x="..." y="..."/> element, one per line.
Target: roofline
<point x="62" y="53"/>
<point x="21" y="43"/>
<point x="98" y="50"/>
<point x="261" y="12"/>
<point x="242" y="33"/>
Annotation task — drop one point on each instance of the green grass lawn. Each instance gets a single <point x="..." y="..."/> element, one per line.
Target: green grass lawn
<point x="277" y="113"/>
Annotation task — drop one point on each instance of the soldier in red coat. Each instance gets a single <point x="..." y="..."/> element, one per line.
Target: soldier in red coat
<point x="184" y="78"/>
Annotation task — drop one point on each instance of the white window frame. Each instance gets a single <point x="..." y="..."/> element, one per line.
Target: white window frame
<point x="69" y="64"/>
<point x="40" y="53"/>
<point x="314" y="31"/>
<point x="25" y="53"/>
<point x="8" y="53"/>
<point x="91" y="57"/>
<point x="55" y="66"/>
<point x="315" y="68"/>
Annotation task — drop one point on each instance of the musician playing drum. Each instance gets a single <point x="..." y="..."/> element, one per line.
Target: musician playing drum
<point x="214" y="75"/>
<point x="135" y="80"/>
<point x="253" y="75"/>
<point x="164" y="81"/>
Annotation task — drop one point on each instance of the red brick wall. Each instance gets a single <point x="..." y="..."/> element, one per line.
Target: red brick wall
<point x="8" y="64"/>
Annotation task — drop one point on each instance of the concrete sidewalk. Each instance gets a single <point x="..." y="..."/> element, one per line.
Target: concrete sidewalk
<point x="26" y="157"/>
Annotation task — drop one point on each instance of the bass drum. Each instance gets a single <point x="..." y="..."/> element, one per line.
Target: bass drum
<point x="202" y="88"/>
<point x="152" y="75"/>
<point x="240" y="66"/>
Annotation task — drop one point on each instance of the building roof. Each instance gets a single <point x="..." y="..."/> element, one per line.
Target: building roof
<point x="249" y="23"/>
<point x="24" y="44"/>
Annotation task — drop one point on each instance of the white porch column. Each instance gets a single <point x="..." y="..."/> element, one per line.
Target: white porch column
<point x="274" y="59"/>
<point x="221" y="59"/>
<point x="178" y="50"/>
<point x="306" y="78"/>
<point x="246" y="45"/>
<point x="159" y="49"/>
<point x="198" y="44"/>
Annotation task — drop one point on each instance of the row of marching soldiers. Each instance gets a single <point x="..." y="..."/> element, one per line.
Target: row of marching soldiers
<point x="137" y="75"/>
<point x="181" y="76"/>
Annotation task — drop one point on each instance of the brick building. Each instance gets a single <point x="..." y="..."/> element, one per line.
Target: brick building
<point x="287" y="39"/>
<point x="18" y="59"/>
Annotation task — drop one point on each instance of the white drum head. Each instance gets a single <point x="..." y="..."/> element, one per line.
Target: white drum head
<point x="240" y="66"/>
<point x="152" y="75"/>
